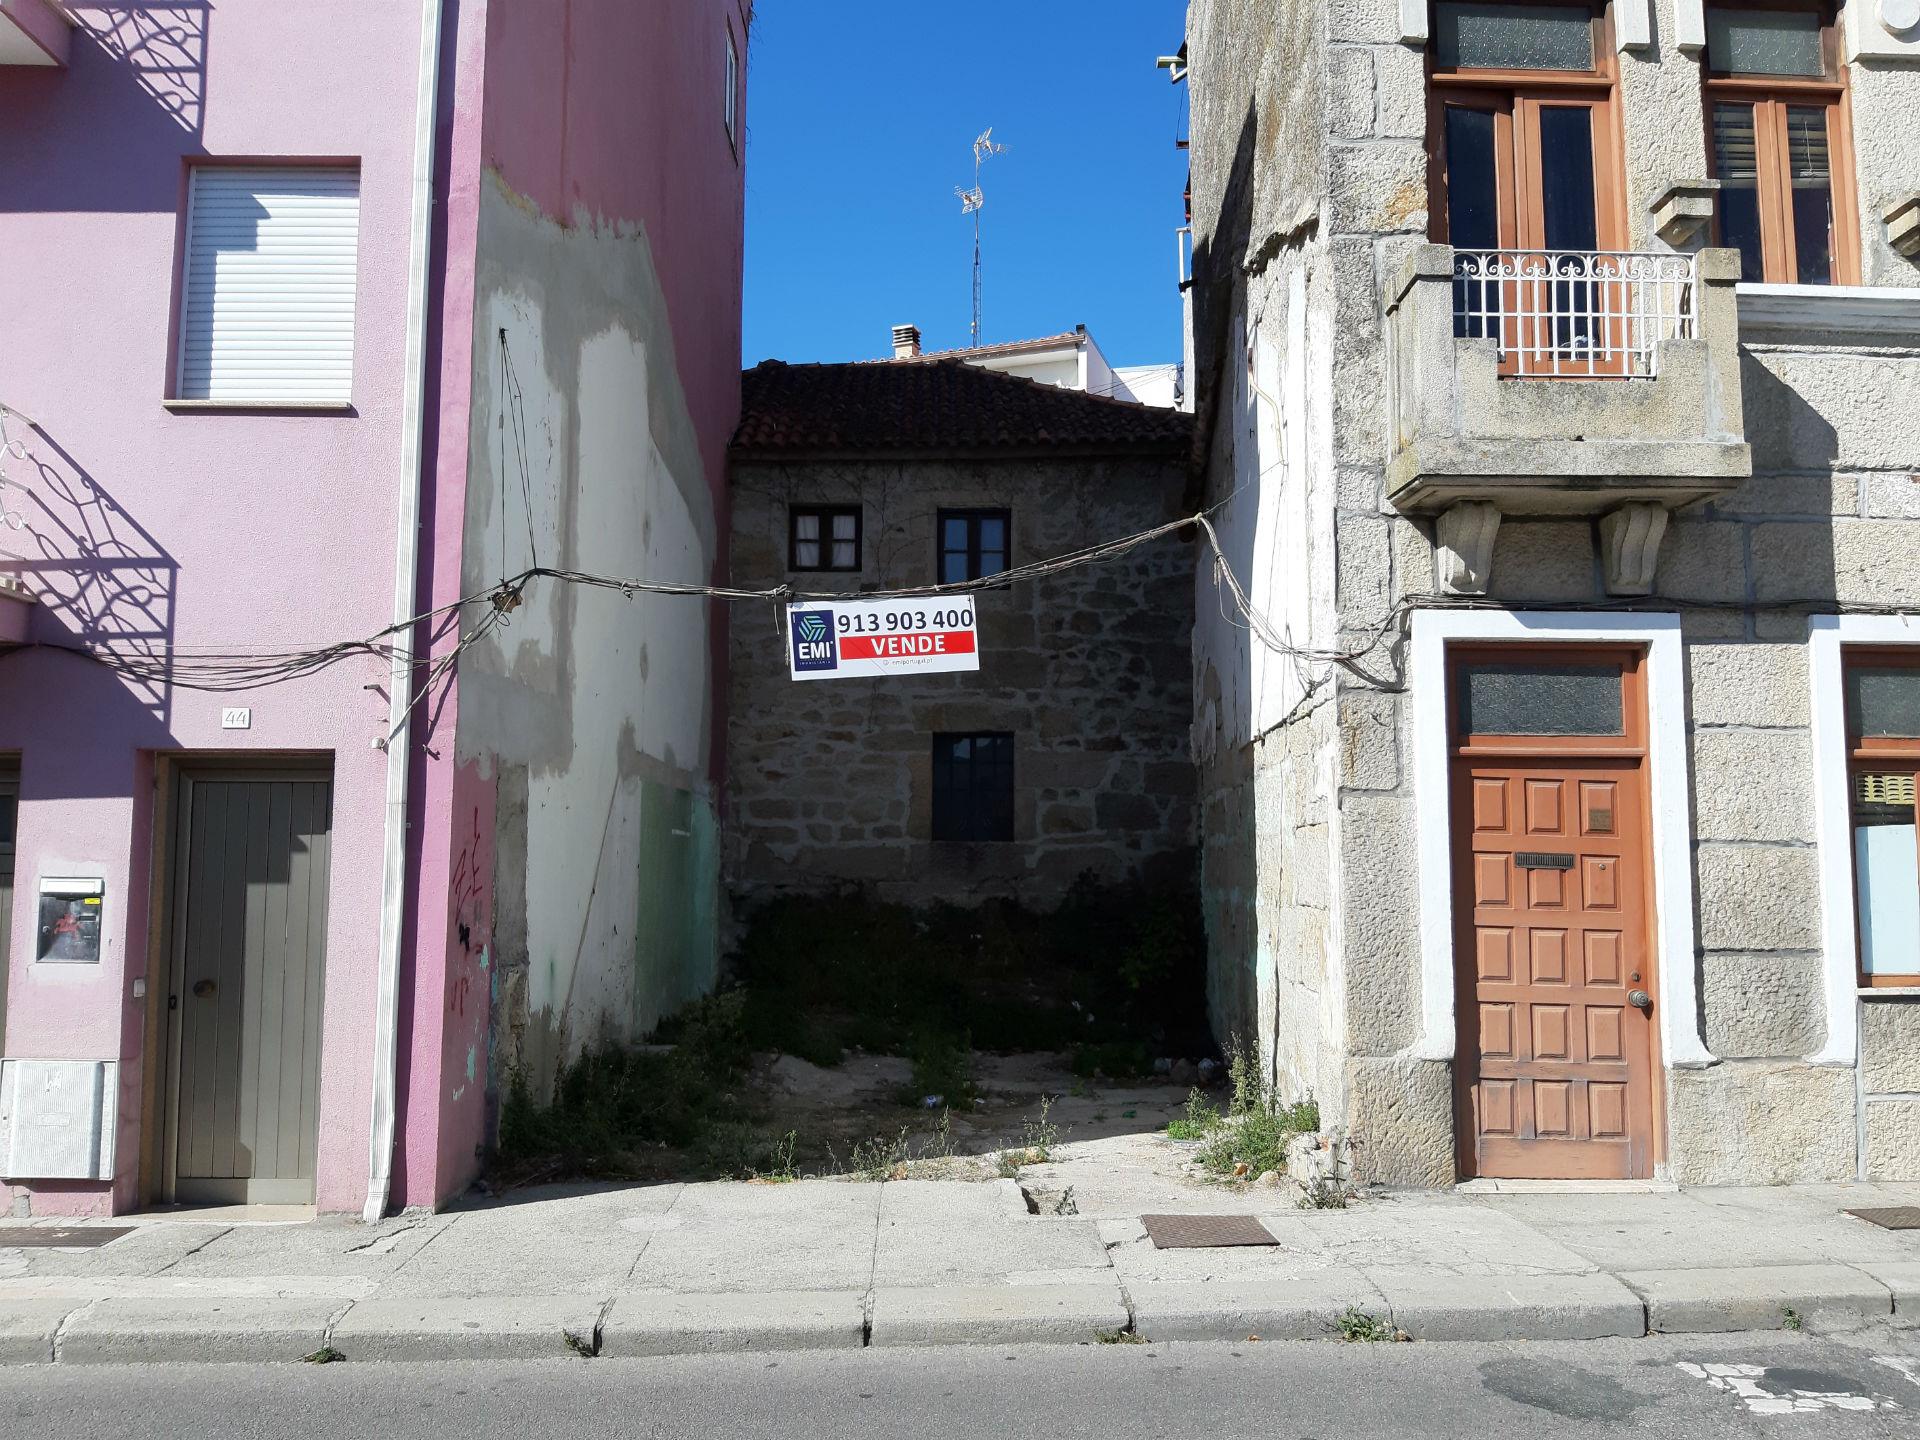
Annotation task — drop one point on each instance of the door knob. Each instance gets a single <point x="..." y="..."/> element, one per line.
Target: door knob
<point x="203" y="988"/>
<point x="1640" y="999"/>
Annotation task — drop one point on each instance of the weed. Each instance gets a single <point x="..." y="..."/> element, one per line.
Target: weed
<point x="1356" y="1326"/>
<point x="1040" y="1135"/>
<point x="1010" y="1162"/>
<point x="881" y="1159"/>
<point x="942" y="1066"/>
<point x="325" y="1355"/>
<point x="781" y="1172"/>
<point x="1066" y="1204"/>
<point x="1790" y="1319"/>
<point x="1326" y="1193"/>
<point x="1119" y="1337"/>
<point x="582" y="1348"/>
<point x="1114" y="964"/>
<point x="1200" y="1120"/>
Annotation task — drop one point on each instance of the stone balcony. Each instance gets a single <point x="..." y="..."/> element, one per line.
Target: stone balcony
<point x="1555" y="383"/>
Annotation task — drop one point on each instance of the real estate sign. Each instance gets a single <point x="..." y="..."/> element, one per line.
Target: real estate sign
<point x="841" y="639"/>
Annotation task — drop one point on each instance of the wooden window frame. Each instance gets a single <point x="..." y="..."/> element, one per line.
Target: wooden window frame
<point x="825" y="514"/>
<point x="1630" y="743"/>
<point x="1516" y="98"/>
<point x="938" y="811"/>
<point x="973" y="516"/>
<point x="1880" y="753"/>
<point x="1770" y="95"/>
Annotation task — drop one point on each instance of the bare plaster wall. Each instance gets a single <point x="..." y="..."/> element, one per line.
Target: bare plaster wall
<point x="830" y="781"/>
<point x="591" y="711"/>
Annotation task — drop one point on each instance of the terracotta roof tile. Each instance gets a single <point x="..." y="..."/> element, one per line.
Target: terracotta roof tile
<point x="940" y="405"/>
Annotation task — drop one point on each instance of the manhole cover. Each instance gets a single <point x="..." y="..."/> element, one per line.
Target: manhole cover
<point x="1205" y="1232"/>
<point x="59" y="1237"/>
<point x="1893" y="1217"/>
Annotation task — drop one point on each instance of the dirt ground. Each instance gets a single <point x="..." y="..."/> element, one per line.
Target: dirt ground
<point x="1024" y="1103"/>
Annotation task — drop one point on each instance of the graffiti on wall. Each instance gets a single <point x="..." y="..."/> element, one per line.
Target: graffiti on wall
<point x="470" y="977"/>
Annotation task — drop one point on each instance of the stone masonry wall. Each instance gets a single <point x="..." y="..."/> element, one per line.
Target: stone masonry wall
<point x="829" y="781"/>
<point x="1828" y="519"/>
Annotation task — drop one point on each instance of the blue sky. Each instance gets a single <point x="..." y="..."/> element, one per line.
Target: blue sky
<point x="861" y="116"/>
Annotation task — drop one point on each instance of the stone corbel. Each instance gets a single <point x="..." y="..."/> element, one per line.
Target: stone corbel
<point x="1463" y="553"/>
<point x="1690" y="25"/>
<point x="1633" y="23"/>
<point x="1685" y="210"/>
<point x="1413" y="22"/>
<point x="1630" y="546"/>
<point x="1903" y="227"/>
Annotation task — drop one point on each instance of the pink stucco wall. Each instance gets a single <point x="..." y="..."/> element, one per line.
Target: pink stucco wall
<point x="231" y="531"/>
<point x="616" y="109"/>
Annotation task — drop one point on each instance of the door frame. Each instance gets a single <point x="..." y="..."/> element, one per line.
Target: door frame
<point x="169" y="939"/>
<point x="1625" y="753"/>
<point x="1670" y="898"/>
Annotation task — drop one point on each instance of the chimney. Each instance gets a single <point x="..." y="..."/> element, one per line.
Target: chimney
<point x="906" y="341"/>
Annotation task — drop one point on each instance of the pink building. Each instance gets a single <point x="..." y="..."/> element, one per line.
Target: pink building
<point x="321" y="315"/>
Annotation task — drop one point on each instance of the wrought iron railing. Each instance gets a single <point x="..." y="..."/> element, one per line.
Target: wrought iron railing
<point x="1574" y="313"/>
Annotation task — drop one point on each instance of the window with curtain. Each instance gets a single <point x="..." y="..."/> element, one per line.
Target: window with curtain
<point x="823" y="537"/>
<point x="1776" y="125"/>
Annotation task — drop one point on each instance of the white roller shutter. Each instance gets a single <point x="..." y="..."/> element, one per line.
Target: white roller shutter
<point x="267" y="307"/>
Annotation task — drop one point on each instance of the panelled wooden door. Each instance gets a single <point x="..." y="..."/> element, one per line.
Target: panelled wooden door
<point x="1556" y="1058"/>
<point x="244" y="1002"/>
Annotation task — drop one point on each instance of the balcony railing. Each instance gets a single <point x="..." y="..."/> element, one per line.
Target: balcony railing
<point x="1575" y="313"/>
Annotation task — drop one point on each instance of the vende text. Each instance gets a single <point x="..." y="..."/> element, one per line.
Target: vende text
<point x="889" y="647"/>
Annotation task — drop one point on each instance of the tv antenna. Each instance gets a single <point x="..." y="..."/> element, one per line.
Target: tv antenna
<point x="971" y="203"/>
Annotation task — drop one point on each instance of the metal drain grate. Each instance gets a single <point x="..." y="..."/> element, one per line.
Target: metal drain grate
<point x="59" y="1237"/>
<point x="1205" y="1232"/>
<point x="1893" y="1217"/>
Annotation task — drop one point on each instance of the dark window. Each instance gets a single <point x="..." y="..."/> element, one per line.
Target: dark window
<point x="973" y="787"/>
<point x="1774" y="91"/>
<point x="974" y="544"/>
<point x="1519" y="699"/>
<point x="823" y="537"/>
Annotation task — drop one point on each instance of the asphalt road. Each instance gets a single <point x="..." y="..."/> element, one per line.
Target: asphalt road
<point x="1693" y="1387"/>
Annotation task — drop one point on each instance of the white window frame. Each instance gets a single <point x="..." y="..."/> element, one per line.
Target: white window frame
<point x="1667" y="802"/>
<point x="1833" y="816"/>
<point x="733" y="90"/>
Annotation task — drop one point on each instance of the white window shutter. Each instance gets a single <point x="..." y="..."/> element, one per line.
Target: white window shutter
<point x="266" y="312"/>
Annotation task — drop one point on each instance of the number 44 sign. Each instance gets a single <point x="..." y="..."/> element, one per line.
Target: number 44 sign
<point x="843" y="639"/>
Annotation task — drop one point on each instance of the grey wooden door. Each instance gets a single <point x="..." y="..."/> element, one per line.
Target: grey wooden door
<point x="249" y="957"/>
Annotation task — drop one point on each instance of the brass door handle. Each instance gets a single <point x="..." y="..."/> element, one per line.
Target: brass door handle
<point x="1640" y="999"/>
<point x="203" y="988"/>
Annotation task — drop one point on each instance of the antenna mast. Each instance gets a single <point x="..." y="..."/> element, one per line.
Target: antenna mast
<point x="971" y="203"/>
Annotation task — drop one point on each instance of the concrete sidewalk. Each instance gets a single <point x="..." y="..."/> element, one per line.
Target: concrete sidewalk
<point x="675" y="1269"/>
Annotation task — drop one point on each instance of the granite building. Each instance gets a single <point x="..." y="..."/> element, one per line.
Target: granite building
<point x="1066" y="752"/>
<point x="1555" y="365"/>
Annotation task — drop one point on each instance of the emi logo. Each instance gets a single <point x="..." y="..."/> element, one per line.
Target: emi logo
<point x="813" y="641"/>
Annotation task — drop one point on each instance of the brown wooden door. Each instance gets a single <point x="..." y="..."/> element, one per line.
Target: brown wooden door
<point x="1555" y="1059"/>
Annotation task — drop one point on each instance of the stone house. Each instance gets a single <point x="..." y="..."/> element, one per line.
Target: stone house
<point x="1556" y="367"/>
<point x="1066" y="752"/>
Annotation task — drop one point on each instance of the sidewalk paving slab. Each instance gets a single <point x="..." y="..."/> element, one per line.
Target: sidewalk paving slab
<point x="196" y="1331"/>
<point x="998" y="1314"/>
<point x="813" y="1235"/>
<point x="1824" y="1297"/>
<point x="27" y="1328"/>
<point x="1902" y="1279"/>
<point x="1305" y="1307"/>
<point x="1438" y="1305"/>
<point x="667" y="1324"/>
<point x="488" y="1328"/>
